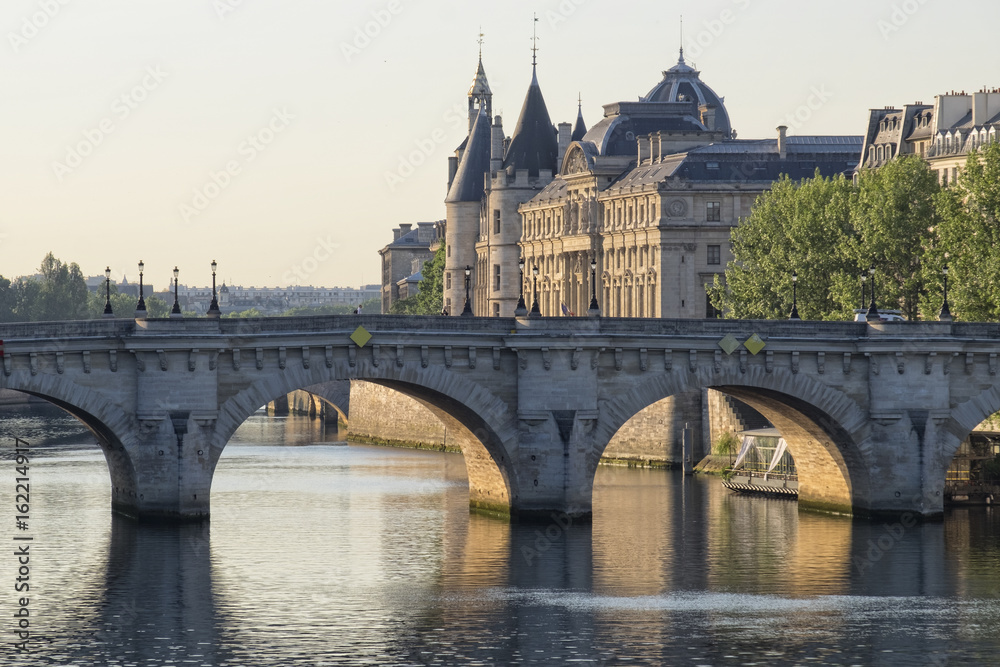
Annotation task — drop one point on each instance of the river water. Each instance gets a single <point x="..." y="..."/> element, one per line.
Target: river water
<point x="325" y="553"/>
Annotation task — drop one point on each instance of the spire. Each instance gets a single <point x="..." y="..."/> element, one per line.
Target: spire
<point x="468" y="185"/>
<point x="534" y="47"/>
<point x="480" y="95"/>
<point x="680" y="60"/>
<point x="533" y="145"/>
<point x="581" y="128"/>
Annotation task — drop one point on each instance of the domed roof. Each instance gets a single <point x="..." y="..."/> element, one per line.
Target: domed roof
<point x="681" y="83"/>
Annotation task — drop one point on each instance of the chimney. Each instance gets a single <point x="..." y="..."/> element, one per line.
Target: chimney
<point x="979" y="109"/>
<point x="783" y="141"/>
<point x="404" y="229"/>
<point x="395" y="235"/>
<point x="496" y="144"/>
<point x="565" y="133"/>
<point x="643" y="145"/>
<point x="656" y="149"/>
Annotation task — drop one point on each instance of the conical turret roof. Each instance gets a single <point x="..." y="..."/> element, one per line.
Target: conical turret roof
<point x="533" y="146"/>
<point x="581" y="128"/>
<point x="468" y="185"/>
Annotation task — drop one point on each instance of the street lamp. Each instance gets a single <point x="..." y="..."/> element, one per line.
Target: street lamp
<point x="521" y="310"/>
<point x="945" y="314"/>
<point x="864" y="292"/>
<point x="872" y="315"/>
<point x="794" y="315"/>
<point x="176" y="311"/>
<point x="108" y="312"/>
<point x="535" y="312"/>
<point x="467" y="310"/>
<point x="594" y="310"/>
<point x="140" y="308"/>
<point x="213" y="308"/>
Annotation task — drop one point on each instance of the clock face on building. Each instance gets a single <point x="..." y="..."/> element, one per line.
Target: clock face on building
<point x="677" y="208"/>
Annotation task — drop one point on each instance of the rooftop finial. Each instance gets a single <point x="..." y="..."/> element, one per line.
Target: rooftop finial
<point x="534" y="39"/>
<point x="480" y="40"/>
<point x="680" y="60"/>
<point x="579" y="101"/>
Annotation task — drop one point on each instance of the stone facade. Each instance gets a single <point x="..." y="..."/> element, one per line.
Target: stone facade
<point x="403" y="259"/>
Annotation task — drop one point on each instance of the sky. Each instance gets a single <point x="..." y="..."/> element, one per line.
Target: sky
<point x="285" y="139"/>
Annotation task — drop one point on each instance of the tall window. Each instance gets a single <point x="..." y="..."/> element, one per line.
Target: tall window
<point x="447" y="279"/>
<point x="714" y="254"/>
<point x="496" y="221"/>
<point x="710" y="310"/>
<point x="496" y="277"/>
<point x="713" y="211"/>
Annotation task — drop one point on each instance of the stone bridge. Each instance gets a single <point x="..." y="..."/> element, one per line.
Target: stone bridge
<point x="872" y="412"/>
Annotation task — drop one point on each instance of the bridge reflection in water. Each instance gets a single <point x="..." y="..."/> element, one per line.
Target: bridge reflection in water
<point x="351" y="554"/>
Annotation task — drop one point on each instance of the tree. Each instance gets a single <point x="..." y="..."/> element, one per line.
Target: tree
<point x="62" y="294"/>
<point x="969" y="232"/>
<point x="894" y="215"/>
<point x="795" y="226"/>
<point x="828" y="230"/>
<point x="430" y="296"/>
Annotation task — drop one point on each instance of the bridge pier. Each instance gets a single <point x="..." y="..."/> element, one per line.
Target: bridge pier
<point x="172" y="465"/>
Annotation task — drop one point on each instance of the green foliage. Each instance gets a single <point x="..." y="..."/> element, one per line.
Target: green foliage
<point x="828" y="230"/>
<point x="969" y="233"/>
<point x="428" y="300"/>
<point x="727" y="443"/>
<point x="59" y="294"/>
<point x="250" y="312"/>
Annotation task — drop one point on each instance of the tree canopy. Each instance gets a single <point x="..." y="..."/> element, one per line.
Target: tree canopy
<point x="830" y="230"/>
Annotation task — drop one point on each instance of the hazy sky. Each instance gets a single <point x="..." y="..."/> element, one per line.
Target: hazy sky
<point x="281" y="140"/>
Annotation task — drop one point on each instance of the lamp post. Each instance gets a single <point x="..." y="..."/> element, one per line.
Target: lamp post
<point x="176" y="310"/>
<point x="213" y="308"/>
<point x="535" y="312"/>
<point x="140" y="308"/>
<point x="945" y="314"/>
<point x="872" y="315"/>
<point x="108" y="312"/>
<point x="521" y="310"/>
<point x="595" y="309"/>
<point x="794" y="315"/>
<point x="467" y="310"/>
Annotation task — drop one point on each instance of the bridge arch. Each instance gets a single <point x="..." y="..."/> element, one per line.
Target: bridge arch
<point x="824" y="428"/>
<point x="490" y="429"/>
<point x="110" y="425"/>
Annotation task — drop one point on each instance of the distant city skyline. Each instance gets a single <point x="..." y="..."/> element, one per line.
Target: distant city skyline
<point x="287" y="140"/>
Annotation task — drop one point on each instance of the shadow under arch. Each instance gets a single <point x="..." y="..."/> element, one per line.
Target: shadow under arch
<point x="822" y="426"/>
<point x="483" y="420"/>
<point x="336" y="394"/>
<point x="102" y="425"/>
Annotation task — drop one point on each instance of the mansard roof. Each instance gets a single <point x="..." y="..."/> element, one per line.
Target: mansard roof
<point x="468" y="185"/>
<point x="533" y="146"/>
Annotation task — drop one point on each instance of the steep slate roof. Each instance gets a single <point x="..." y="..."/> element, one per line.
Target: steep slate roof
<point x="469" y="182"/>
<point x="581" y="128"/>
<point x="533" y="146"/>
